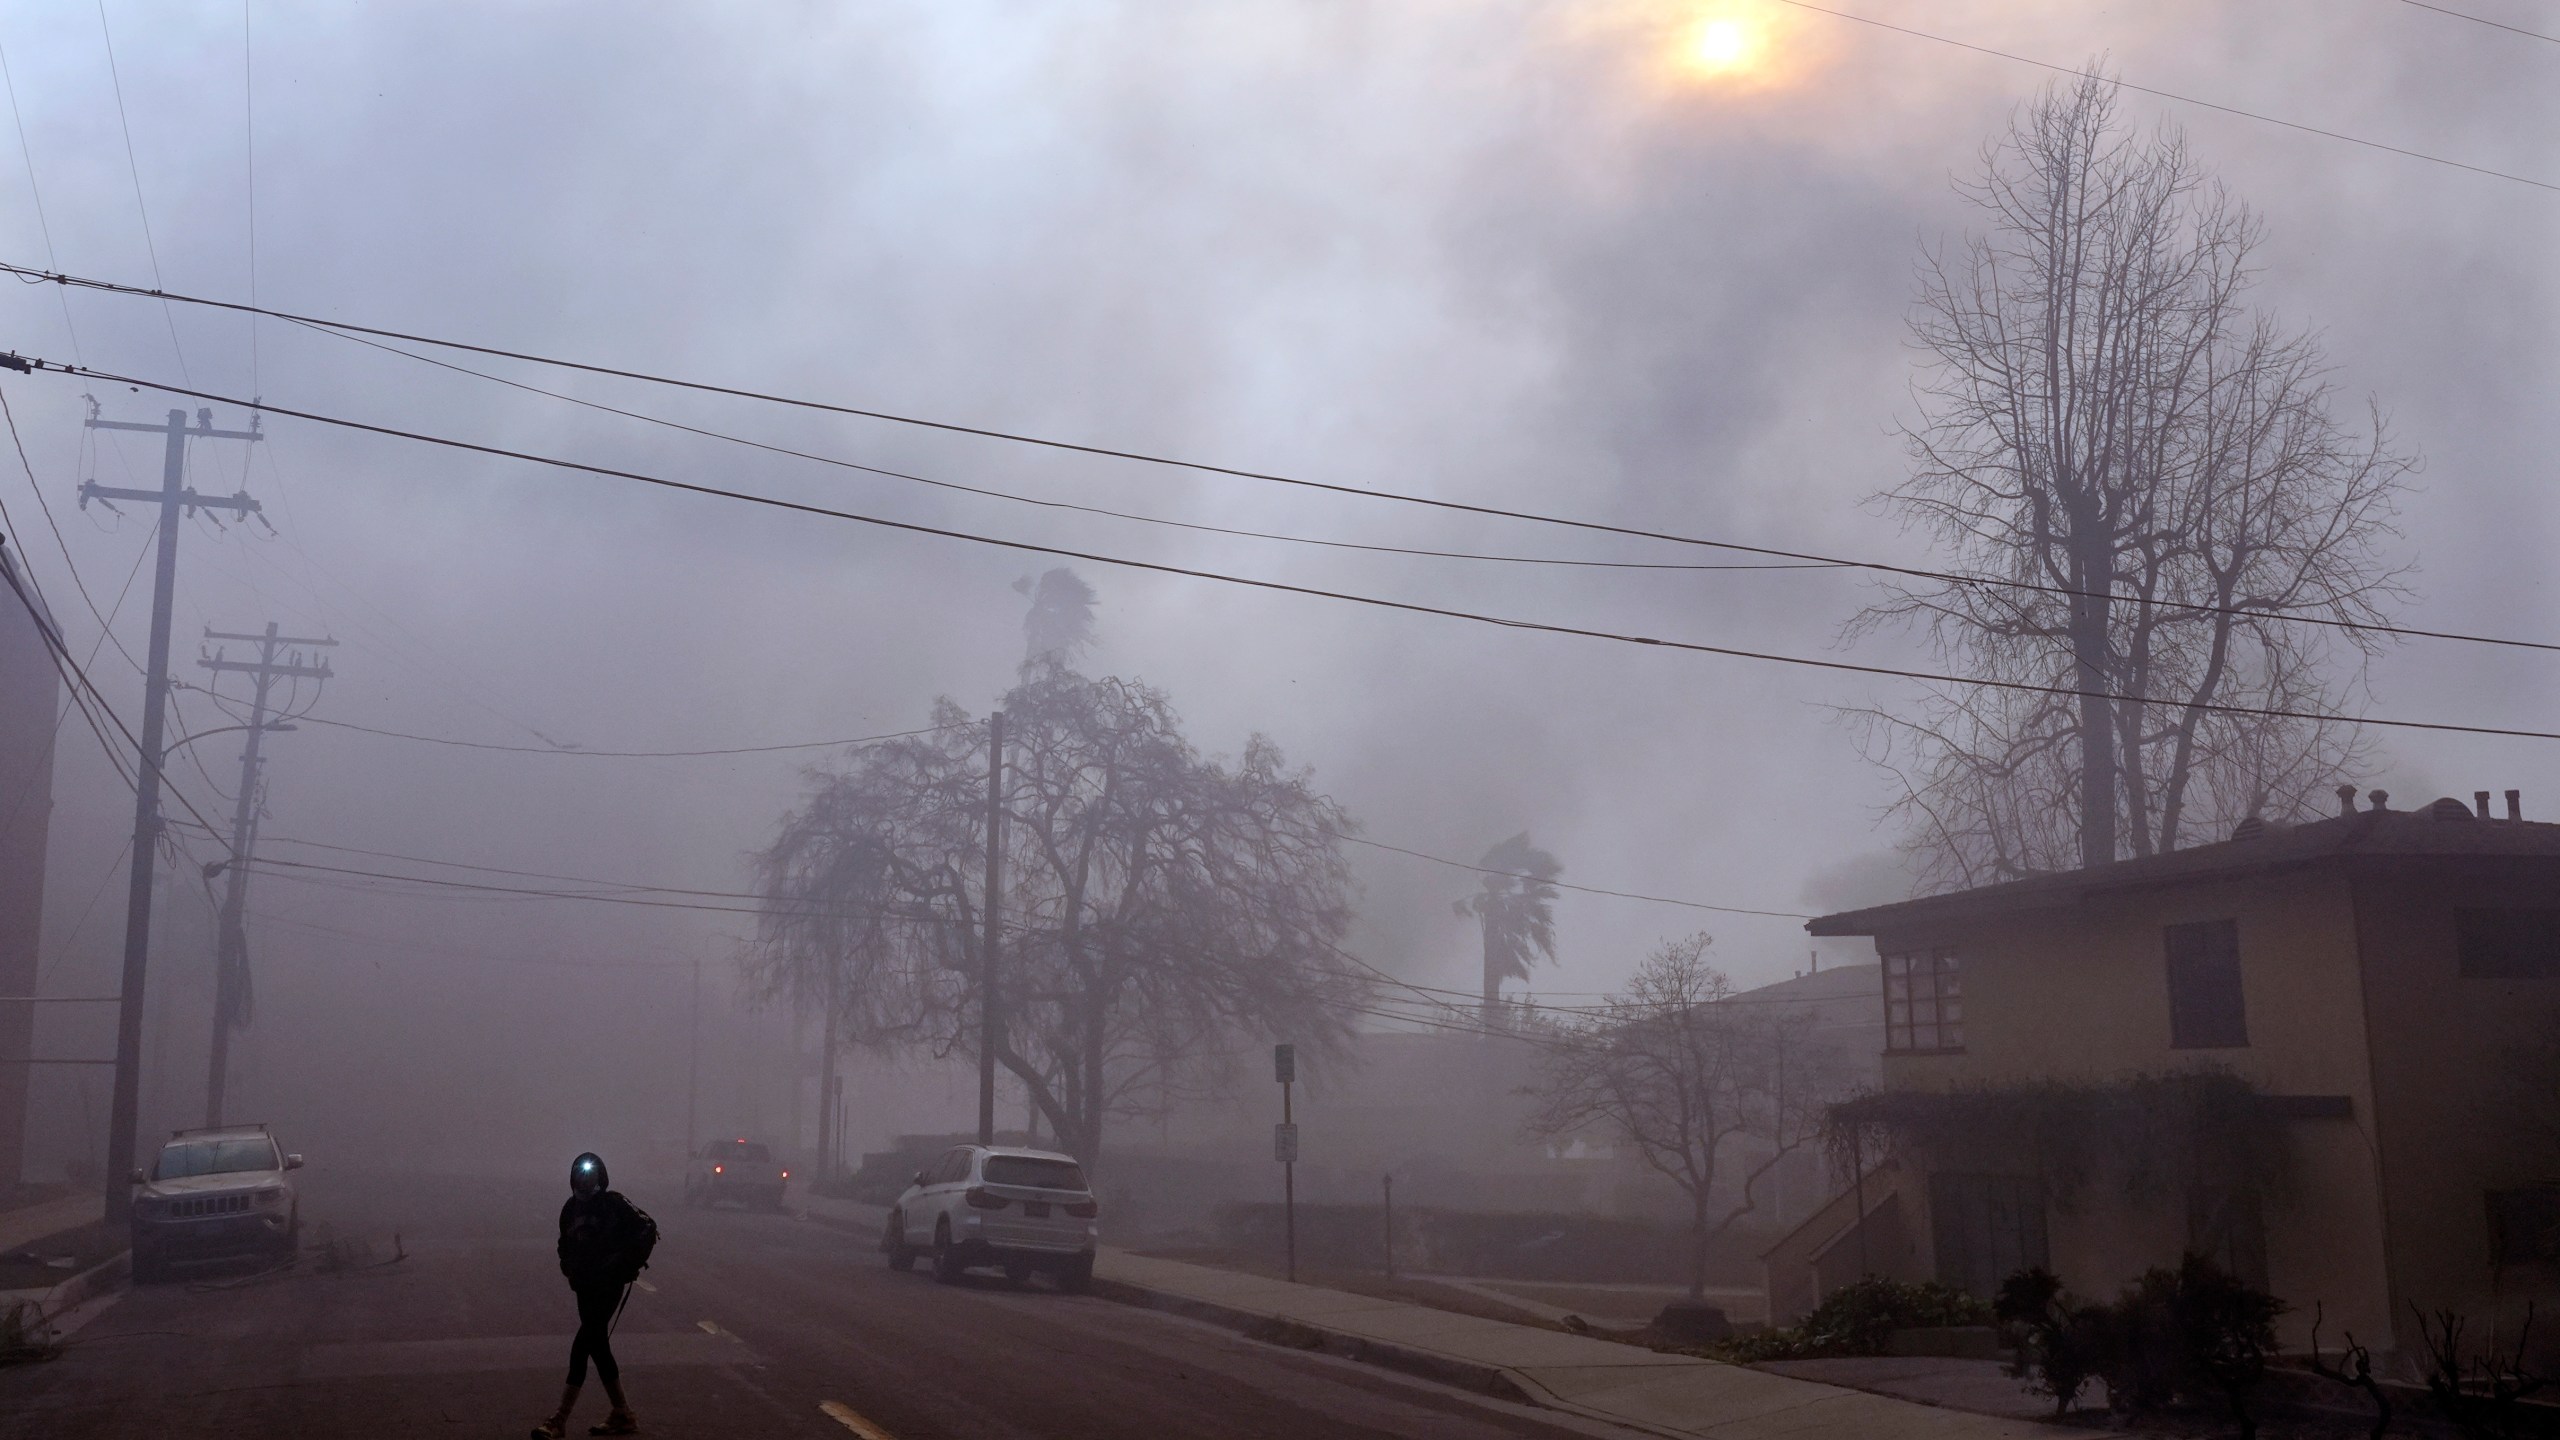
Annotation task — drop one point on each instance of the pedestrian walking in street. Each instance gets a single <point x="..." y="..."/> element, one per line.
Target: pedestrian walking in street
<point x="605" y="1241"/>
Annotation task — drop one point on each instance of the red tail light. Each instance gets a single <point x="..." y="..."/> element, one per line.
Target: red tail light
<point x="786" y="1174"/>
<point x="980" y="1200"/>
<point x="1083" y="1209"/>
<point x="719" y="1169"/>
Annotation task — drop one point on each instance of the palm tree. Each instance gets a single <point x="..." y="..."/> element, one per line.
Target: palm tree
<point x="1515" y="907"/>
<point x="1059" y="627"/>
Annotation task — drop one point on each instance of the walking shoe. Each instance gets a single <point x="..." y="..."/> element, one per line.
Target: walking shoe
<point x="620" y="1422"/>
<point x="551" y="1429"/>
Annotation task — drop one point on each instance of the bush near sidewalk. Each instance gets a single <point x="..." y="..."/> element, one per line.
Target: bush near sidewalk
<point x="2194" y="1336"/>
<point x="1858" y="1319"/>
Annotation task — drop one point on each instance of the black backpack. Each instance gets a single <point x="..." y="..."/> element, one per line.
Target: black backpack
<point x="642" y="1243"/>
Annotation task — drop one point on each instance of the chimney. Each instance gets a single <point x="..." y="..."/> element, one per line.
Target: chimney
<point x="2381" y="799"/>
<point x="2480" y="804"/>
<point x="2515" y="804"/>
<point x="2346" y="799"/>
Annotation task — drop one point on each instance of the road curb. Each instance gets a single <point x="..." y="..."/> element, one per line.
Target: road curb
<point x="57" y="1300"/>
<point x="1483" y="1379"/>
<point x="89" y="1283"/>
<point x="1496" y="1381"/>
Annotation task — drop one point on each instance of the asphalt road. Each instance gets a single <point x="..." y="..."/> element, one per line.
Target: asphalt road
<point x="752" y="1324"/>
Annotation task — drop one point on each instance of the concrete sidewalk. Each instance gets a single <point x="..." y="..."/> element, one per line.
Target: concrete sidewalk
<point x="1676" y="1395"/>
<point x="19" y="1227"/>
<point x="1673" y="1395"/>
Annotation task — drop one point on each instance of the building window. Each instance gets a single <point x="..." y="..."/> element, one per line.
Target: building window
<point x="2524" y="1226"/>
<point x="1986" y="1228"/>
<point x="1923" y="1002"/>
<point x="2508" y="944"/>
<point x="2205" y="1010"/>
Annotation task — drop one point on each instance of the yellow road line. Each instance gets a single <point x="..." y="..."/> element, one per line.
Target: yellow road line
<point x="844" y="1415"/>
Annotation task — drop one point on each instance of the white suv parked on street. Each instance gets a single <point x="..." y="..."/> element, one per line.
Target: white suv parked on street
<point x="1024" y="1210"/>
<point x="211" y="1194"/>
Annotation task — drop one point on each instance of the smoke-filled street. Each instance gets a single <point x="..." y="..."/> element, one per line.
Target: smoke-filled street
<point x="943" y="718"/>
<point x="751" y="1323"/>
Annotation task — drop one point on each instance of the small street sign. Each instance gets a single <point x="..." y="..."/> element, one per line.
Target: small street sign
<point x="1284" y="1063"/>
<point x="1284" y="1143"/>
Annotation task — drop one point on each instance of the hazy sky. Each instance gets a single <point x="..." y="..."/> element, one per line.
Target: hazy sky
<point x="1515" y="254"/>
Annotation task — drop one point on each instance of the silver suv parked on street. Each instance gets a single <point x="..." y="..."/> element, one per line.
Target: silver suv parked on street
<point x="212" y="1194"/>
<point x="1023" y="1210"/>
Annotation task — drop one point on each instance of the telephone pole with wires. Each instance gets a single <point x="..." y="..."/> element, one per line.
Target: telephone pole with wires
<point x="173" y="497"/>
<point x="280" y="657"/>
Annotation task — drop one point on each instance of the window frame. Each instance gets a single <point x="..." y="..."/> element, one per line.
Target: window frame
<point x="2499" y="942"/>
<point x="2193" y="975"/>
<point x="1941" y="970"/>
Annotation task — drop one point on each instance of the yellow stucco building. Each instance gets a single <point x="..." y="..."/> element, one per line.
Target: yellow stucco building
<point x="2383" y="985"/>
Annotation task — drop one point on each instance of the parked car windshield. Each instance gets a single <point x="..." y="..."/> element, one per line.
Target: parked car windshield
<point x="214" y="1157"/>
<point x="740" y="1150"/>
<point x="1028" y="1170"/>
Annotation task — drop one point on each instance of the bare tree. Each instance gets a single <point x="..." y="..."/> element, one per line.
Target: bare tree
<point x="1514" y="907"/>
<point x="1692" y="1082"/>
<point x="2155" y="481"/>
<point x="1159" y="910"/>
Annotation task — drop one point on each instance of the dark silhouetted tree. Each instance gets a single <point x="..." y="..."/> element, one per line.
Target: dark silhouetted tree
<point x="1515" y="910"/>
<point x="1159" y="908"/>
<point x="1691" y="1082"/>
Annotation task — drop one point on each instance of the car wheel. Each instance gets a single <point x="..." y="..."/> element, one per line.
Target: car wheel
<point x="147" y="1267"/>
<point x="1077" y="1275"/>
<point x="893" y="1243"/>
<point x="946" y="1256"/>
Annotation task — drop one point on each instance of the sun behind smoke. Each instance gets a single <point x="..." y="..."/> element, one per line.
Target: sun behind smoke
<point x="1725" y="45"/>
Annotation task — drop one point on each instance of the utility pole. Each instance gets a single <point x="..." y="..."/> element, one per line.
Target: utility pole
<point x="987" y="1012"/>
<point x="1389" y="1182"/>
<point x="693" y="1074"/>
<point x="231" y="945"/>
<point x="124" y="1121"/>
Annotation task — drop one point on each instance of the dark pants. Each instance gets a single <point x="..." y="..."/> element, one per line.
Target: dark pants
<point x="595" y="1335"/>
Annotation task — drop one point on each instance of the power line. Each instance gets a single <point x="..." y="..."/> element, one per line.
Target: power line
<point x="1891" y="672"/>
<point x="249" y="175"/>
<point x="133" y="168"/>
<point x="1568" y="885"/>
<point x="2181" y="99"/>
<point x="74" y="675"/>
<point x="463" y="952"/>
<point x="31" y="275"/>
<point x="1021" y="499"/>
<point x="44" y="226"/>
<point x="620" y="754"/>
<point x="2484" y="20"/>
<point x="624" y="885"/>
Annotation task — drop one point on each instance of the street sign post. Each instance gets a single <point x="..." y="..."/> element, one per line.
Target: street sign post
<point x="1284" y="1148"/>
